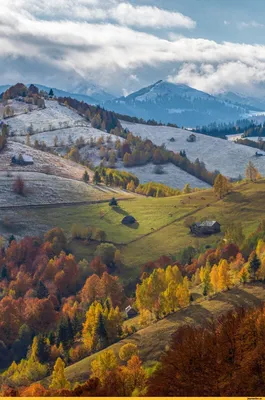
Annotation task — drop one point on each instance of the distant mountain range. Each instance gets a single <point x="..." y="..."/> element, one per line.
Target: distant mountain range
<point x="183" y="105"/>
<point x="169" y="103"/>
<point x="89" y="93"/>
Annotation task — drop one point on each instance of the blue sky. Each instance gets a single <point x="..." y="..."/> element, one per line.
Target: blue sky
<point x="123" y="45"/>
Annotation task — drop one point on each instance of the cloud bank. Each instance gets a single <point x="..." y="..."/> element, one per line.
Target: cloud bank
<point x="117" y="46"/>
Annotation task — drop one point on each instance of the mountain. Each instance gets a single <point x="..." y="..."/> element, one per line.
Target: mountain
<point x="90" y="89"/>
<point x="177" y="103"/>
<point x="255" y="103"/>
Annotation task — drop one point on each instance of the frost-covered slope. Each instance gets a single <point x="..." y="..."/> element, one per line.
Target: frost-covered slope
<point x="217" y="154"/>
<point x="54" y="116"/>
<point x="173" y="176"/>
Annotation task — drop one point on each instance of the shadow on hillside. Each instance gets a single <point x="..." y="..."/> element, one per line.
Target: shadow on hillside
<point x="235" y="197"/>
<point x="120" y="211"/>
<point x="133" y="226"/>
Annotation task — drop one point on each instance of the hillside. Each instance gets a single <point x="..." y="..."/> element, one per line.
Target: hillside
<point x="225" y="156"/>
<point x="160" y="228"/>
<point x="153" y="340"/>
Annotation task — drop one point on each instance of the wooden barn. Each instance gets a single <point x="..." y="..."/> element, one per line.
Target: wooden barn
<point x="130" y="312"/>
<point x="205" y="228"/>
<point x="22" y="159"/>
<point x="191" y="138"/>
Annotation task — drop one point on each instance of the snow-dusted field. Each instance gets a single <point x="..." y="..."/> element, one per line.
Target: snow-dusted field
<point x="228" y="157"/>
<point x="18" y="108"/>
<point x="54" y="116"/>
<point x="173" y="176"/>
<point x="63" y="135"/>
<point x="43" y="162"/>
<point x="41" y="189"/>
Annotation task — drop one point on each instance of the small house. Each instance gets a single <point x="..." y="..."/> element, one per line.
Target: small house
<point x="191" y="138"/>
<point x="130" y="312"/>
<point x="205" y="228"/>
<point x="22" y="159"/>
<point x="128" y="220"/>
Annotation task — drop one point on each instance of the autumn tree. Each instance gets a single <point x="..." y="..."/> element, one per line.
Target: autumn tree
<point x="59" y="380"/>
<point x="221" y="186"/>
<point x="19" y="186"/>
<point x="252" y="172"/>
<point x="127" y="351"/>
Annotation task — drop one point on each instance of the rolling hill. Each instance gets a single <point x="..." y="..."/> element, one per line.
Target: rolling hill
<point x="227" y="157"/>
<point x="153" y="340"/>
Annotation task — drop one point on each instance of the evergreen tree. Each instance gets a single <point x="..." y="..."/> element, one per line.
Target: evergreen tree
<point x="85" y="177"/>
<point x="101" y="332"/>
<point x="254" y="263"/>
<point x="42" y="291"/>
<point x="64" y="334"/>
<point x="11" y="238"/>
<point x="96" y="178"/>
<point x="113" y="202"/>
<point x="51" y="93"/>
<point x="43" y="349"/>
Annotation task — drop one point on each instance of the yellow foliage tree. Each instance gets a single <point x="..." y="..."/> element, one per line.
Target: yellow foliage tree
<point x="104" y="363"/>
<point x="59" y="380"/>
<point x="214" y="278"/>
<point x="252" y="172"/>
<point x="127" y="351"/>
<point x="224" y="280"/>
<point x="221" y="186"/>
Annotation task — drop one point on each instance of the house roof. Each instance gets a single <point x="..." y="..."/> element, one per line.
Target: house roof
<point x="207" y="223"/>
<point x="25" y="157"/>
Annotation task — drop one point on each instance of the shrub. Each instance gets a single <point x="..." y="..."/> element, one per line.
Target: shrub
<point x="19" y="186"/>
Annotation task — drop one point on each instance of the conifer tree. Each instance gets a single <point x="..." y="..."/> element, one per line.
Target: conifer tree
<point x="59" y="380"/>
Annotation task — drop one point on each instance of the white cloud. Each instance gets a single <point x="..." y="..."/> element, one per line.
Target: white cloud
<point x="116" y="11"/>
<point x="40" y="39"/>
<point x="250" y="24"/>
<point x="214" y="79"/>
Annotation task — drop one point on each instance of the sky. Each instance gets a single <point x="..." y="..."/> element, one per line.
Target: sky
<point x="123" y="46"/>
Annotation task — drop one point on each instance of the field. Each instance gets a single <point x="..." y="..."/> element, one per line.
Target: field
<point x="153" y="340"/>
<point x="43" y="162"/>
<point x="54" y="116"/>
<point x="173" y="176"/>
<point x="160" y="228"/>
<point x="218" y="154"/>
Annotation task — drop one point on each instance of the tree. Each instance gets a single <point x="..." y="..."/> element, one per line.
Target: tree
<point x="104" y="363"/>
<point x="234" y="234"/>
<point x="51" y="93"/>
<point x="41" y="290"/>
<point x="113" y="202"/>
<point x="59" y="380"/>
<point x="106" y="251"/>
<point x="221" y="186"/>
<point x="252" y="172"/>
<point x="96" y="178"/>
<point x="86" y="177"/>
<point x="205" y="279"/>
<point x="127" y="351"/>
<point x="187" y="189"/>
<point x="19" y="186"/>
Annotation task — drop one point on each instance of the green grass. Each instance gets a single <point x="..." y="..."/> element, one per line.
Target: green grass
<point x="160" y="226"/>
<point x="153" y="339"/>
<point x="149" y="213"/>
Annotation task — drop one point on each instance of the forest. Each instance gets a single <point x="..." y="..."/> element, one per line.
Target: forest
<point x="56" y="311"/>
